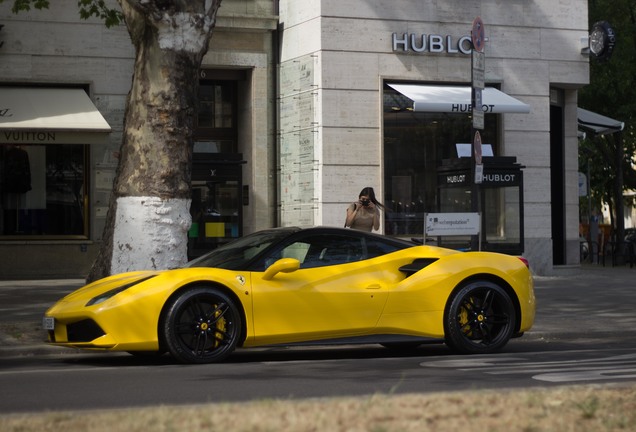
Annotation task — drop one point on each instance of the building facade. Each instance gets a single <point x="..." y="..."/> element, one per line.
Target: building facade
<point x="76" y="75"/>
<point x="345" y="121"/>
<point x="302" y="104"/>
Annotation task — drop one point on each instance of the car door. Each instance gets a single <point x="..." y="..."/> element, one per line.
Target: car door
<point x="333" y="294"/>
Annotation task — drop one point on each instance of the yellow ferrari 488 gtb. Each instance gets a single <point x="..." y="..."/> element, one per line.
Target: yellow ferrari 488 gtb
<point x="292" y="285"/>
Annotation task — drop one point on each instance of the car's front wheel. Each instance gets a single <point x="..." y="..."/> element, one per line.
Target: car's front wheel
<point x="201" y="325"/>
<point x="480" y="318"/>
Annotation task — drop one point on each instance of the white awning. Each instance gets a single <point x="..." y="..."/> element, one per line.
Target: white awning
<point x="457" y="99"/>
<point x="597" y="123"/>
<point x="33" y="114"/>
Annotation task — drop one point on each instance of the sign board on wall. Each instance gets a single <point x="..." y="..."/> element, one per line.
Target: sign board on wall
<point x="582" y="184"/>
<point x="452" y="224"/>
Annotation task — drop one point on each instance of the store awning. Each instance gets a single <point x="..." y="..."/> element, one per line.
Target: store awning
<point x="598" y="124"/>
<point x="431" y="98"/>
<point x="33" y="115"/>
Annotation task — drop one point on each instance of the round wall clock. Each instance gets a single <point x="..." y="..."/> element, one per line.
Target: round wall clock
<point x="602" y="40"/>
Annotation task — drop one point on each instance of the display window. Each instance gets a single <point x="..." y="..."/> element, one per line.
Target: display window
<point x="415" y="146"/>
<point x="501" y="204"/>
<point x="43" y="191"/>
<point x="217" y="189"/>
<point x="216" y="128"/>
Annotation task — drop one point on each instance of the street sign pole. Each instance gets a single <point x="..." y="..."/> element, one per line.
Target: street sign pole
<point x="478" y="73"/>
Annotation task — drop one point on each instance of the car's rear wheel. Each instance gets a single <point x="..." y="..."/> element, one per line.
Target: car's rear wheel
<point x="480" y="318"/>
<point x="202" y="325"/>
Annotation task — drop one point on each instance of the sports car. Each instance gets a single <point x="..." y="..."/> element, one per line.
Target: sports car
<point x="286" y="286"/>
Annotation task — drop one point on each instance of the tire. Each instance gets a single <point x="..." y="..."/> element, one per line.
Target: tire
<point x="480" y="319"/>
<point x="202" y="325"/>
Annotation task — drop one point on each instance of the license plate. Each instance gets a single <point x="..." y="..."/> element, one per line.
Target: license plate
<point x="48" y="323"/>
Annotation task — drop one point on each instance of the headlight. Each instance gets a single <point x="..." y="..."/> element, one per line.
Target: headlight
<point x="108" y="294"/>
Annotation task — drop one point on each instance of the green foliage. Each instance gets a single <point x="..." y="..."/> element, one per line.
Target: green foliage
<point x="611" y="93"/>
<point x="98" y="9"/>
<point x="86" y="8"/>
<point x="25" y="5"/>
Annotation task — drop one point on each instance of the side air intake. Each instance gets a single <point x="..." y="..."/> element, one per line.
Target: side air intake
<point x="417" y="265"/>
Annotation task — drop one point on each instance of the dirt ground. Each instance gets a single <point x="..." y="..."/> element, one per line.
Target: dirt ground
<point x="563" y="409"/>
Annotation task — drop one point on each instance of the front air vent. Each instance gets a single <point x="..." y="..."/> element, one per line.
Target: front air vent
<point x="83" y="331"/>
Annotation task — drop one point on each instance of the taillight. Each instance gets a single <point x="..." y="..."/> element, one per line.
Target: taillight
<point x="525" y="261"/>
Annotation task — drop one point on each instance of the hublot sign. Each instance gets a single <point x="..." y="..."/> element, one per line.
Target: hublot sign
<point x="500" y="178"/>
<point x="431" y="43"/>
<point x="490" y="178"/>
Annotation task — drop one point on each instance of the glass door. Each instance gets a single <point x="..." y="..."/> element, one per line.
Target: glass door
<point x="217" y="205"/>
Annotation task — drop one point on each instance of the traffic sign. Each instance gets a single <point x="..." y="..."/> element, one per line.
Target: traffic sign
<point x="477" y="109"/>
<point x="478" y="35"/>
<point x="477" y="148"/>
<point x="479" y="167"/>
<point x="479" y="69"/>
<point x="478" y="72"/>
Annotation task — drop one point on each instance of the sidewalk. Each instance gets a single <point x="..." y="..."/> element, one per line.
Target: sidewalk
<point x="22" y="306"/>
<point x="39" y="283"/>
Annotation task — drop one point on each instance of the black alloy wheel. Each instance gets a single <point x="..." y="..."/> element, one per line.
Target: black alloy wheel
<point x="202" y="325"/>
<point x="480" y="319"/>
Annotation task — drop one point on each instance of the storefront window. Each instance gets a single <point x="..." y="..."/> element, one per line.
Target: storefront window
<point x="501" y="218"/>
<point x="216" y="129"/>
<point x="43" y="191"/>
<point x="500" y="203"/>
<point x="455" y="200"/>
<point x="217" y="200"/>
<point x="216" y="105"/>
<point x="415" y="144"/>
<point x="502" y="215"/>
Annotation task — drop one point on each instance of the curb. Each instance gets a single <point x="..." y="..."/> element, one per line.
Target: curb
<point x="21" y="351"/>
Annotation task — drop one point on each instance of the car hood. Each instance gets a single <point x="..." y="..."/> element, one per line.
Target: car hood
<point x="109" y="283"/>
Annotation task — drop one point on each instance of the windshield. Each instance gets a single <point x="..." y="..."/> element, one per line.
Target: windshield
<point x="237" y="254"/>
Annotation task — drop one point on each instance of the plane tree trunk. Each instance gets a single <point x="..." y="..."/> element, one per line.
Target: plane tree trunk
<point x="148" y="216"/>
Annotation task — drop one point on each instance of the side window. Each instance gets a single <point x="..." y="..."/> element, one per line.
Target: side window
<point x="377" y="248"/>
<point x="332" y="250"/>
<point x="296" y="250"/>
<point x="319" y="251"/>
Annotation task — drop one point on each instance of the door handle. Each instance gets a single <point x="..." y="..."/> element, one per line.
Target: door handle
<point x="374" y="287"/>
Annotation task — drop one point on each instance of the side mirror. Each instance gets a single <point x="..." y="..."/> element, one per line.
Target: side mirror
<point x="284" y="265"/>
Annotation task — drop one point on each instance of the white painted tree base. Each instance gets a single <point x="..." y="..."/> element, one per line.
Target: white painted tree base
<point x="150" y="233"/>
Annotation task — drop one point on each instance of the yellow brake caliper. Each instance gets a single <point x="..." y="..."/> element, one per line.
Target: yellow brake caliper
<point x="463" y="320"/>
<point x="221" y="327"/>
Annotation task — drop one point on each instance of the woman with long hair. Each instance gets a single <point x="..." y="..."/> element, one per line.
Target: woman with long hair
<point x="364" y="214"/>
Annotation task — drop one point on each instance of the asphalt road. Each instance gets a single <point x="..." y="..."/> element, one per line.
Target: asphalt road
<point x="583" y="335"/>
